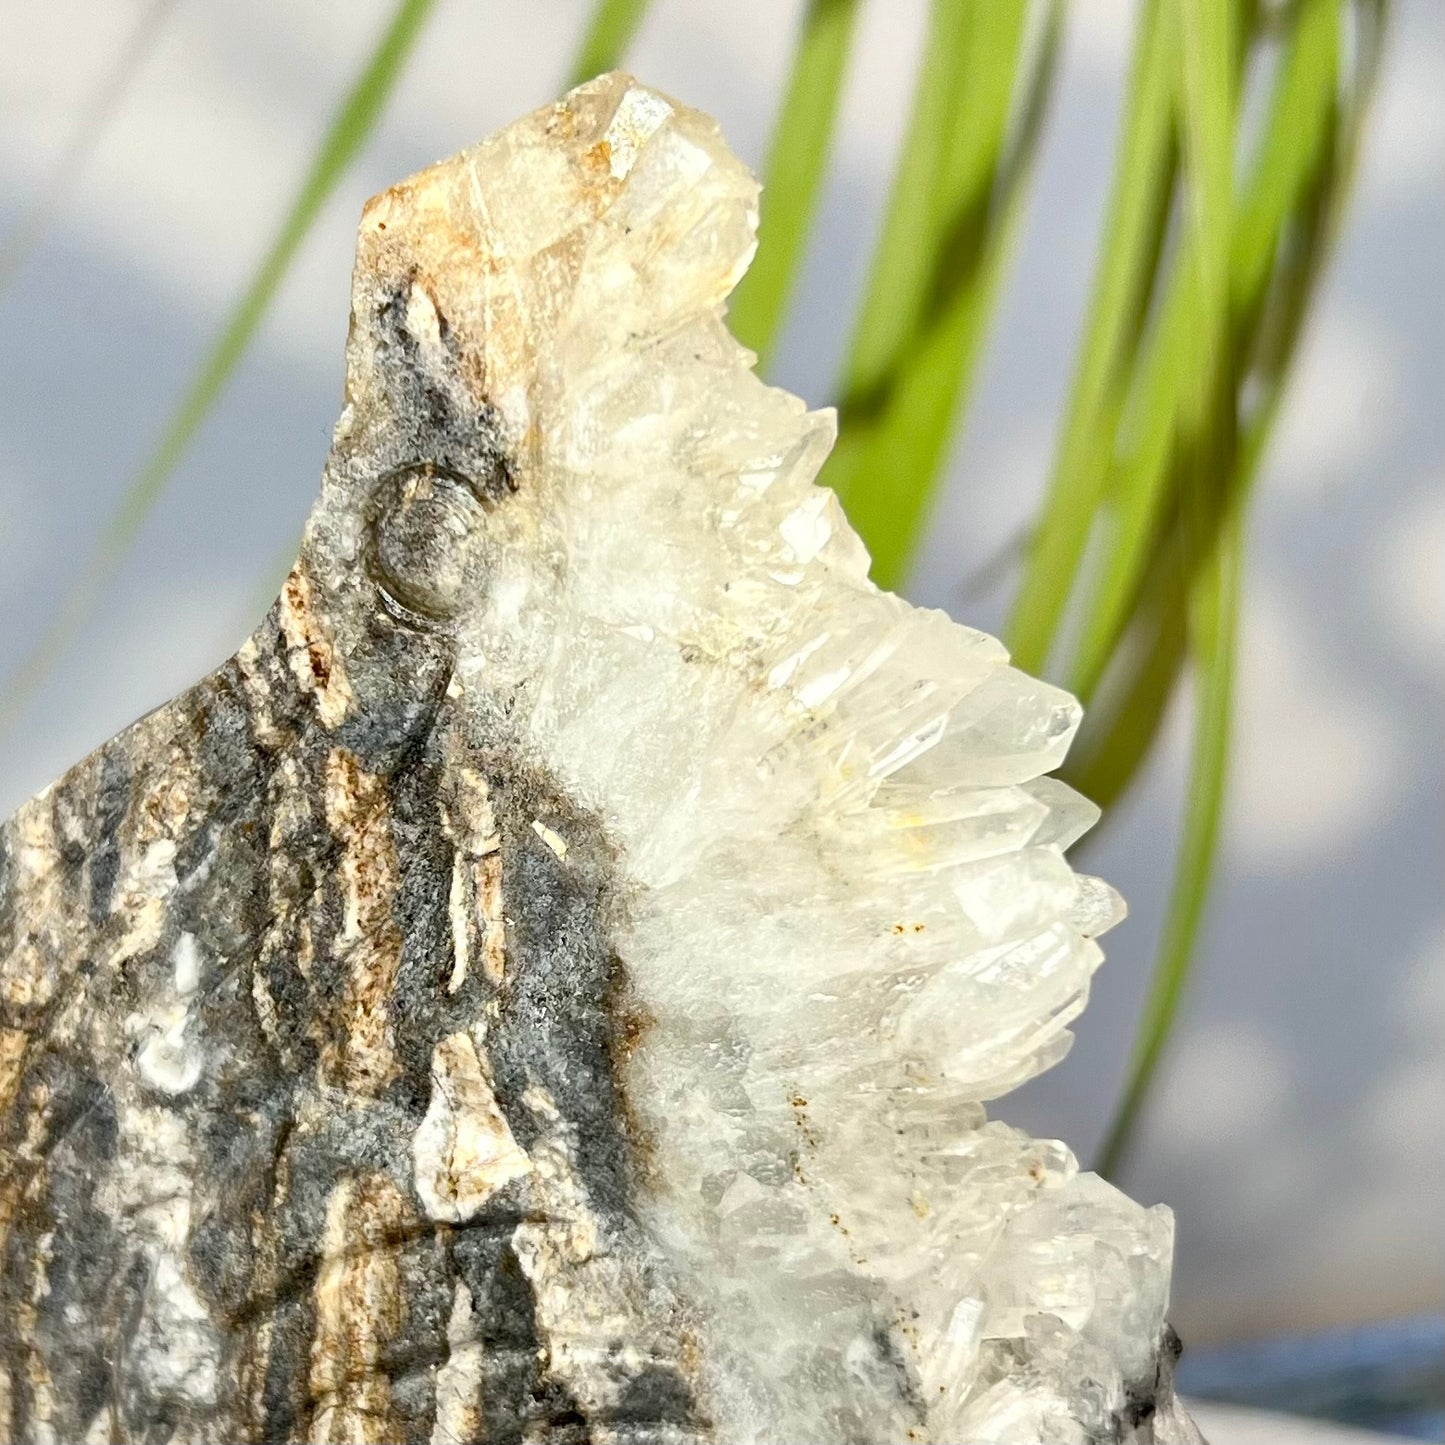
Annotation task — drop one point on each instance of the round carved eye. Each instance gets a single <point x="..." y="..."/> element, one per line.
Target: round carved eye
<point x="424" y="516"/>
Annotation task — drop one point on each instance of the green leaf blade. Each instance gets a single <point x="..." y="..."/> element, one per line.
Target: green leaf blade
<point x="1214" y="611"/>
<point x="1129" y="255"/>
<point x="1140" y="483"/>
<point x="608" y="34"/>
<point x="1300" y="126"/>
<point x="894" y="433"/>
<point x="902" y="454"/>
<point x="792" y="177"/>
<point x="1280" y="232"/>
<point x="1128" y="712"/>
<point x="898" y="279"/>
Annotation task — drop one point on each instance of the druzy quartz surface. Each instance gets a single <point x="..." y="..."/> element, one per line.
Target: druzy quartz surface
<point x="547" y="984"/>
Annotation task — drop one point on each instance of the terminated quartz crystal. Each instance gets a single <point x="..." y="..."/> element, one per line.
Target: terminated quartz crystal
<point x="546" y="985"/>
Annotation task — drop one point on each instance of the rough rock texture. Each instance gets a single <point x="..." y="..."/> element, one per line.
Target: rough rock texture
<point x="544" y="986"/>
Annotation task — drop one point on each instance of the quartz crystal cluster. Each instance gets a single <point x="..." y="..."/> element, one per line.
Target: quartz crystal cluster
<point x="548" y="984"/>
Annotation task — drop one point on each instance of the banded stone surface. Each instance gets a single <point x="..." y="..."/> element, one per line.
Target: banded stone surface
<point x="303" y="1142"/>
<point x="544" y="986"/>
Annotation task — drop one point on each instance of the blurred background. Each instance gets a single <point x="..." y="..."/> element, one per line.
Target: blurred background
<point x="1294" y="1122"/>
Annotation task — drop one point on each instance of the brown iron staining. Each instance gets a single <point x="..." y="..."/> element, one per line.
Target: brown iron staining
<point x="360" y="1308"/>
<point x="631" y="1023"/>
<point x="311" y="652"/>
<point x="356" y="1053"/>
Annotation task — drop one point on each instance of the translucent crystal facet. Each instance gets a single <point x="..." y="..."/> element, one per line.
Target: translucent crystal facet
<point x="852" y="922"/>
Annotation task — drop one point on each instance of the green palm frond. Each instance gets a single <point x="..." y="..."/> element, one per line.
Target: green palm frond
<point x="1239" y="295"/>
<point x="608" y="34"/>
<point x="794" y="171"/>
<point x="953" y="211"/>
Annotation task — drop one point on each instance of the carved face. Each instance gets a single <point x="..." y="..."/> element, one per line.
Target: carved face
<point x="544" y="985"/>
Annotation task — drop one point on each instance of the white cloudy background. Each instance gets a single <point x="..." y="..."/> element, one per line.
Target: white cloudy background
<point x="1296" y="1130"/>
